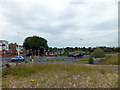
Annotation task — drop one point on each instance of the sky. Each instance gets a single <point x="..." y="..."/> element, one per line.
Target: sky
<point x="64" y="23"/>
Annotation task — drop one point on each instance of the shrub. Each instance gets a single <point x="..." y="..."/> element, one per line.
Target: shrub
<point x="98" y="53"/>
<point x="91" y="60"/>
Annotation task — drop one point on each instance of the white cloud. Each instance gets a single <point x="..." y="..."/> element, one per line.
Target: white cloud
<point x="61" y="22"/>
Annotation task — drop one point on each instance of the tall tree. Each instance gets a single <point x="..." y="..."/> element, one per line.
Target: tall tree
<point x="35" y="43"/>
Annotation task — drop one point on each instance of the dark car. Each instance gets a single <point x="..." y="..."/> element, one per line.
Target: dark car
<point x="70" y="55"/>
<point x="18" y="58"/>
<point x="77" y="55"/>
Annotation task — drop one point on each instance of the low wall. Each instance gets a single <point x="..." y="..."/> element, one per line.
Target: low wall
<point x="9" y="55"/>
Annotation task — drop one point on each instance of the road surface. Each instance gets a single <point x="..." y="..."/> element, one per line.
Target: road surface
<point x="62" y="59"/>
<point x="57" y="59"/>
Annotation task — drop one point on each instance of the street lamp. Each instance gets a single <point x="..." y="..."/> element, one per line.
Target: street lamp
<point x="18" y="46"/>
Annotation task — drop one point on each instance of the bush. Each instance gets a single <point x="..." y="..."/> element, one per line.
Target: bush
<point x="98" y="53"/>
<point x="91" y="60"/>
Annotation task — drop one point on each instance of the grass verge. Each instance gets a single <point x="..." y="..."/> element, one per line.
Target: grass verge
<point x="59" y="76"/>
<point x="109" y="60"/>
<point x="82" y="59"/>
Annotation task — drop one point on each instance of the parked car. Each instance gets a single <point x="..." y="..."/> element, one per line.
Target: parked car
<point x="18" y="58"/>
<point x="70" y="55"/>
<point x="77" y="55"/>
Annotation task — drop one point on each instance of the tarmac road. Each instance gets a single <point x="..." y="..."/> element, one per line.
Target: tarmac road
<point x="66" y="58"/>
<point x="8" y="59"/>
<point x="61" y="59"/>
<point x="57" y="59"/>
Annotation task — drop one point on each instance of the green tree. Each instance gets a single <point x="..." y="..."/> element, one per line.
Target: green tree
<point x="117" y="49"/>
<point x="98" y="53"/>
<point x="34" y="42"/>
<point x="91" y="60"/>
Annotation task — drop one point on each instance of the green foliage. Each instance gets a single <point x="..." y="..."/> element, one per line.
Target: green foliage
<point x="74" y="52"/>
<point x="117" y="49"/>
<point x="91" y="60"/>
<point x="98" y="53"/>
<point x="34" y="42"/>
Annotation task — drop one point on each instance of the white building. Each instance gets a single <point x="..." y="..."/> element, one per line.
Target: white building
<point x="3" y="46"/>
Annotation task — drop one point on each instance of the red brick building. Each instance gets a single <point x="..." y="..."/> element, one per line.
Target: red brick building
<point x="13" y="47"/>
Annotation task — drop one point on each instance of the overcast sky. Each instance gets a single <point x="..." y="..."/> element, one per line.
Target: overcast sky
<point x="62" y="22"/>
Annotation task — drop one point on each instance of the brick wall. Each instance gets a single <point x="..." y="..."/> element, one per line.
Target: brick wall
<point x="8" y="55"/>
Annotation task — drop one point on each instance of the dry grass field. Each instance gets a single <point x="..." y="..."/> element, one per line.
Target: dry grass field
<point x="110" y="60"/>
<point x="59" y="76"/>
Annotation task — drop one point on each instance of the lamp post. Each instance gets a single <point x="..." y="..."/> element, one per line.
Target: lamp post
<point x="18" y="46"/>
<point x="18" y="50"/>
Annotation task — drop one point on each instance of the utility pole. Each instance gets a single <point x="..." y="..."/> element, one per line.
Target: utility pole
<point x="18" y="46"/>
<point x="18" y="50"/>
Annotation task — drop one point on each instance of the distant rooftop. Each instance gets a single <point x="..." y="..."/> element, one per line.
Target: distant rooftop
<point x="3" y="40"/>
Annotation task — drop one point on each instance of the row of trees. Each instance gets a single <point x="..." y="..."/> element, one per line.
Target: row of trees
<point x="89" y="49"/>
<point x="38" y="43"/>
